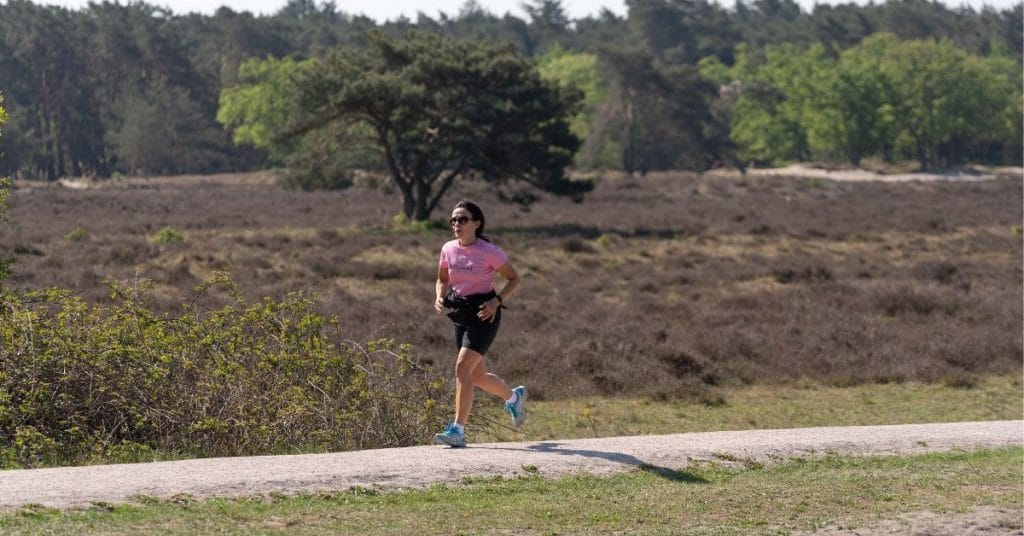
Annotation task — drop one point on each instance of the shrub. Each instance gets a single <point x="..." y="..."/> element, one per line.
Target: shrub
<point x="79" y="382"/>
<point x="77" y="234"/>
<point x="168" y="235"/>
<point x="402" y="222"/>
<point x="575" y="245"/>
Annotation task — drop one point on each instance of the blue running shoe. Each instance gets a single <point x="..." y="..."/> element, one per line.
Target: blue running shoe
<point x="451" y="436"/>
<point x="517" y="409"/>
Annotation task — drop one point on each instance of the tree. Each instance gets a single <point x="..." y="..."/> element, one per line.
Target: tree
<point x="947" y="98"/>
<point x="581" y="70"/>
<point x="51" y="101"/>
<point x="683" y="31"/>
<point x="258" y="109"/>
<point x="439" y="109"/>
<point x="549" y="25"/>
<point x="773" y="86"/>
<point x="161" y="130"/>
<point x="655" y="114"/>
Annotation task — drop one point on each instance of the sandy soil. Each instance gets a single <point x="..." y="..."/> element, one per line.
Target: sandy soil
<point x="268" y="177"/>
<point x="417" y="467"/>
<point x="977" y="173"/>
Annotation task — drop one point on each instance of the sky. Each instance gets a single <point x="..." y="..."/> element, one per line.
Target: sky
<point x="382" y="10"/>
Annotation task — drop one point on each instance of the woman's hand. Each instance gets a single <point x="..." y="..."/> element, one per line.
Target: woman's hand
<point x="439" y="304"/>
<point x="489" y="309"/>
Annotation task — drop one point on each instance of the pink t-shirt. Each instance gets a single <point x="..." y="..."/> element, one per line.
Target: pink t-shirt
<point x="471" y="268"/>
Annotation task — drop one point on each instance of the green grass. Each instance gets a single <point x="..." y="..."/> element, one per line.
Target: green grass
<point x="762" y="407"/>
<point x="708" y="498"/>
<point x="704" y="499"/>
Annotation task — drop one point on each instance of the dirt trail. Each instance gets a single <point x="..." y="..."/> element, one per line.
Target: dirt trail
<point x="862" y="175"/>
<point x="415" y="467"/>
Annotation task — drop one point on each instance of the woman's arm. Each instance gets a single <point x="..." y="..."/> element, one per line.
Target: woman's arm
<point x="490" y="308"/>
<point x="510" y="274"/>
<point x="441" y="288"/>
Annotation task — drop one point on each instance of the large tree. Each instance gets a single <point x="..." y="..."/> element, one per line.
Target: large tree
<point x="439" y="109"/>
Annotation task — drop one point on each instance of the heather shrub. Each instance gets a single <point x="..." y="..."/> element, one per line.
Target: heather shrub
<point x="168" y="235"/>
<point x="77" y="234"/>
<point x="676" y="291"/>
<point x="5" y="183"/>
<point x="82" y="383"/>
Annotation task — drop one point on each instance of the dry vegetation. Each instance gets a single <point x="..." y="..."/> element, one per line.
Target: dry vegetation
<point x="662" y="286"/>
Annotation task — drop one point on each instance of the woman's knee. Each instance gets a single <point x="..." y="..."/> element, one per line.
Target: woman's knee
<point x="467" y="364"/>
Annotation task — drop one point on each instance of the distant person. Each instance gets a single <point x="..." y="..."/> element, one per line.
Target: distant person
<point x="465" y="284"/>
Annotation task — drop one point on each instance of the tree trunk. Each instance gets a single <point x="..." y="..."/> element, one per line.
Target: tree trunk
<point x="887" y="153"/>
<point x="408" y="199"/>
<point x="422" y="196"/>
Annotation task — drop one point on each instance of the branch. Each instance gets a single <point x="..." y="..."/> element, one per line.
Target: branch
<point x="318" y="120"/>
<point x="445" y="183"/>
<point x="389" y="156"/>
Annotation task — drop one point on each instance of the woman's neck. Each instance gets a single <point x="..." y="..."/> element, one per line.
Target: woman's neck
<point x="466" y="242"/>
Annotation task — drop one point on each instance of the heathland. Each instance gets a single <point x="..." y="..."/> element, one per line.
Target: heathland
<point x="668" y="286"/>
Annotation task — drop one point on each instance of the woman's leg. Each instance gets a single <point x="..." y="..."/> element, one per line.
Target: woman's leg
<point x="490" y="382"/>
<point x="469" y="373"/>
<point x="464" y="367"/>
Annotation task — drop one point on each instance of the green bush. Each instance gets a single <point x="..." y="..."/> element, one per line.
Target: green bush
<point x="401" y="221"/>
<point x="168" y="235"/>
<point x="77" y="234"/>
<point x="86" y="383"/>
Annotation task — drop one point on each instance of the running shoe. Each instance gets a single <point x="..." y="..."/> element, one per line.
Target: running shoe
<point x="451" y="436"/>
<point x="517" y="409"/>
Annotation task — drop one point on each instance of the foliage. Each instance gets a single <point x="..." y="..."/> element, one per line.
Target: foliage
<point x="948" y="99"/>
<point x="581" y="71"/>
<point x="77" y="234"/>
<point x="168" y="235"/>
<point x="161" y="130"/>
<point x="774" y="92"/>
<point x="120" y="88"/>
<point x="644" y="117"/>
<point x="85" y="382"/>
<point x="926" y="99"/>
<point x="257" y="109"/>
<point x="439" y="110"/>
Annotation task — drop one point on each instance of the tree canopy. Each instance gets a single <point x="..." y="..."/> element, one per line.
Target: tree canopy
<point x="135" y="88"/>
<point x="439" y="109"/>
<point x="920" y="99"/>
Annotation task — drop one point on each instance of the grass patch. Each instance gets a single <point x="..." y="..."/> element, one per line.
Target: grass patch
<point x="763" y="407"/>
<point x="712" y="499"/>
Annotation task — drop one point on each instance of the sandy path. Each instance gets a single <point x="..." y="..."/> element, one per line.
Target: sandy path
<point x="863" y="175"/>
<point x="415" y="467"/>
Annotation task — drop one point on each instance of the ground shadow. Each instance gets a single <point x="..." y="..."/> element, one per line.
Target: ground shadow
<point x="618" y="457"/>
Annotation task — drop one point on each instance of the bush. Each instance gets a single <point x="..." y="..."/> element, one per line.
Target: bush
<point x="77" y="234"/>
<point x="81" y="383"/>
<point x="168" y="235"/>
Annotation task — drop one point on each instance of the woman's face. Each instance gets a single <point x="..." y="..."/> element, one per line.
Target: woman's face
<point x="463" y="225"/>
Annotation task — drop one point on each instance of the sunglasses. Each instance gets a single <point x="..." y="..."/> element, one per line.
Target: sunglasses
<point x="461" y="220"/>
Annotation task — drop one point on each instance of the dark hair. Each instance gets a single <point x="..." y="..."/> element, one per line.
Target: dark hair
<point x="478" y="215"/>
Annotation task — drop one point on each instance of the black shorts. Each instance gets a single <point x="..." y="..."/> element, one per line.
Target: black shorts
<point x="476" y="334"/>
